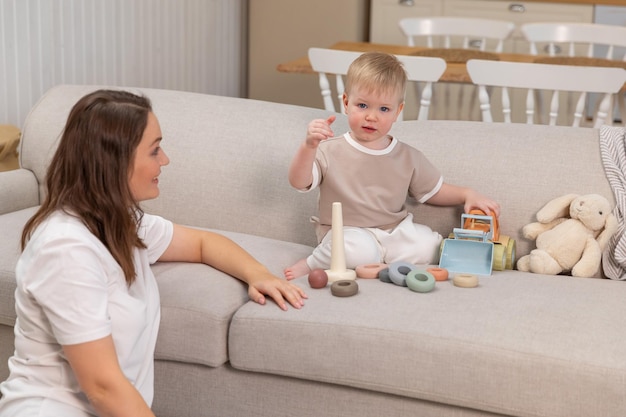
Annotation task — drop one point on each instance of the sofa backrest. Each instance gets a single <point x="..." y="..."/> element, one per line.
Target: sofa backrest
<point x="230" y="156"/>
<point x="229" y="159"/>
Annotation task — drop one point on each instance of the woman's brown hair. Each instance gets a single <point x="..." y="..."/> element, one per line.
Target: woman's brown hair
<point x="88" y="176"/>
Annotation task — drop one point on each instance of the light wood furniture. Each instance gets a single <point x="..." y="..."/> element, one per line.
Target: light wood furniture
<point x="557" y="79"/>
<point x="455" y="71"/>
<point x="9" y="141"/>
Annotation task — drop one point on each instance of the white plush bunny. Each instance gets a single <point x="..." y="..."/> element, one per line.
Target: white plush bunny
<point x="571" y="233"/>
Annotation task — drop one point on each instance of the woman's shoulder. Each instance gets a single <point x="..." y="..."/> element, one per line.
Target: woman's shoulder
<point x="63" y="228"/>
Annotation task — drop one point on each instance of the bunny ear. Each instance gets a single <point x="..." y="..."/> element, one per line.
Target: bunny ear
<point x="557" y="208"/>
<point x="610" y="228"/>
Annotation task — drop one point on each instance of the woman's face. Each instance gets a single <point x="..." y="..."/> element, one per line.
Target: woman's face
<point x="149" y="158"/>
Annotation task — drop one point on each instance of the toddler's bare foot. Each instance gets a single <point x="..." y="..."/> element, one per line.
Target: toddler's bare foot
<point x="297" y="270"/>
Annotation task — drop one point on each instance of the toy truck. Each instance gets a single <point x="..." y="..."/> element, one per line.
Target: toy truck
<point x="477" y="246"/>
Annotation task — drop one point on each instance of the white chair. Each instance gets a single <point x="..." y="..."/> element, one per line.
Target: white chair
<point x="556" y="78"/>
<point x="574" y="36"/>
<point x="331" y="62"/>
<point x="579" y="39"/>
<point x="454" y="101"/>
<point x="473" y="32"/>
<point x="336" y="62"/>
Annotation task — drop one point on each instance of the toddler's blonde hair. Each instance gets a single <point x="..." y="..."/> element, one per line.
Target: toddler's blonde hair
<point x="377" y="72"/>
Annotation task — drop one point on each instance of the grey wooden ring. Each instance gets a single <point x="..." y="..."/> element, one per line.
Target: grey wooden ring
<point x="344" y="288"/>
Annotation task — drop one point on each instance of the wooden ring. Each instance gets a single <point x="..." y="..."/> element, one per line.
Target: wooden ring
<point x="369" y="271"/>
<point x="383" y="275"/>
<point x="465" y="280"/>
<point x="344" y="288"/>
<point x="398" y="272"/>
<point x="440" y="274"/>
<point x="420" y="281"/>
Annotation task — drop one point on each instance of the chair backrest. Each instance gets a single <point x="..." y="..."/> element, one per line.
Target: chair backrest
<point x="571" y="35"/>
<point x="450" y="28"/>
<point x="331" y="61"/>
<point x="556" y="78"/>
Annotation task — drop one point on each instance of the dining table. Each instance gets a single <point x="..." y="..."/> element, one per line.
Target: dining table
<point x="456" y="59"/>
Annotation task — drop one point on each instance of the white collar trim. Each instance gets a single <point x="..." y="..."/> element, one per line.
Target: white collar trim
<point x="369" y="151"/>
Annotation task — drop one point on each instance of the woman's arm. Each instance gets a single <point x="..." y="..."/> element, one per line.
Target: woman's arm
<point x="193" y="245"/>
<point x="99" y="375"/>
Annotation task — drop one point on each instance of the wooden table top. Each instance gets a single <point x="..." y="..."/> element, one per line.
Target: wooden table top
<point x="455" y="70"/>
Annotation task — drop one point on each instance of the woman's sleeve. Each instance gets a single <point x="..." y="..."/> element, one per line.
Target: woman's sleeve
<point x="68" y="278"/>
<point x="156" y="232"/>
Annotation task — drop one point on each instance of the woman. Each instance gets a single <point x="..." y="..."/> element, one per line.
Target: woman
<point x="87" y="302"/>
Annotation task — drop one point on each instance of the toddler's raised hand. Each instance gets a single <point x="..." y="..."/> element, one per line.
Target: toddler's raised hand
<point x="319" y="130"/>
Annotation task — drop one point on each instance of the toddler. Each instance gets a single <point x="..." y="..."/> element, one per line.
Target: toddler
<point x="371" y="173"/>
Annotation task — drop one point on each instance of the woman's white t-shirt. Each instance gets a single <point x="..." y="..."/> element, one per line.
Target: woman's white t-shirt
<point x="70" y="290"/>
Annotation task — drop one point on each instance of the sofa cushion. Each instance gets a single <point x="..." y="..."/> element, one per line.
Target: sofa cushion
<point x="18" y="190"/>
<point x="519" y="344"/>
<point x="11" y="225"/>
<point x="198" y="302"/>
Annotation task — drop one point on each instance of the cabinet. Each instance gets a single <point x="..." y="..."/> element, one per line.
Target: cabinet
<point x="385" y="15"/>
<point x="273" y="39"/>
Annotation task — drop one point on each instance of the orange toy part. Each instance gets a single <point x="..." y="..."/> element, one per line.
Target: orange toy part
<point x="440" y="274"/>
<point x="482" y="225"/>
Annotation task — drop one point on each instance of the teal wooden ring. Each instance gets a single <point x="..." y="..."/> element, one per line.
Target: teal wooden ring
<point x="420" y="281"/>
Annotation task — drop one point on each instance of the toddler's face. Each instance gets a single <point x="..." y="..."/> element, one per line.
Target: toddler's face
<point x="371" y="115"/>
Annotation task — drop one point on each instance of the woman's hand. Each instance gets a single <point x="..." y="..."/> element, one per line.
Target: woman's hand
<point x="278" y="289"/>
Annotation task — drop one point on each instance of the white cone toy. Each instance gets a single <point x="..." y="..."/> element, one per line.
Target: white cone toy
<point x="338" y="271"/>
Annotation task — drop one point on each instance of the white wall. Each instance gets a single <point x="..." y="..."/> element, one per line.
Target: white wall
<point x="192" y="45"/>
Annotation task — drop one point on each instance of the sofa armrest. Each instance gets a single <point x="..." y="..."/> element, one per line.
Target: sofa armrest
<point x="18" y="190"/>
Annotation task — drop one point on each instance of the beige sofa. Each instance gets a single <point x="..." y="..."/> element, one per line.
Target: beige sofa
<point x="519" y="344"/>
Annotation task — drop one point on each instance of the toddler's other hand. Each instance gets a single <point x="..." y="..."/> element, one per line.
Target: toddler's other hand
<point x="319" y="130"/>
<point x="476" y="200"/>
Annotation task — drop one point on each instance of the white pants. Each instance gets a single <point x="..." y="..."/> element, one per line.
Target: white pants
<point x="408" y="242"/>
